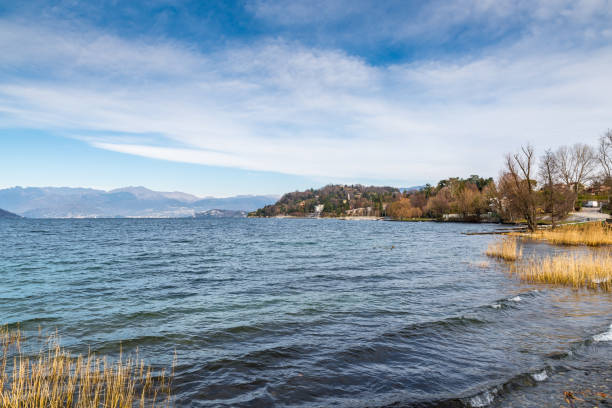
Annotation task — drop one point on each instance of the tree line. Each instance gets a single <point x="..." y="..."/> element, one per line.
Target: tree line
<point x="550" y="186"/>
<point x="529" y="189"/>
<point x="468" y="198"/>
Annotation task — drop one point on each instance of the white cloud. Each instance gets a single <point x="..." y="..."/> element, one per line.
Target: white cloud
<point x="283" y="107"/>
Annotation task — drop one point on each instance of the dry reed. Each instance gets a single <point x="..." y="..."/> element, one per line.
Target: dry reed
<point x="507" y="249"/>
<point x="587" y="270"/>
<point x="591" y="234"/>
<point x="52" y="378"/>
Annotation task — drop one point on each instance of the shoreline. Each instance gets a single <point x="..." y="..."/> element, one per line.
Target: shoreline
<point x="375" y="218"/>
<point x="344" y="217"/>
<point x="577" y="217"/>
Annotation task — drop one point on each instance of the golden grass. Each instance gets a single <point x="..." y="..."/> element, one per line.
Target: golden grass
<point x="506" y="248"/>
<point x="587" y="270"/>
<point x="591" y="234"/>
<point x="52" y="378"/>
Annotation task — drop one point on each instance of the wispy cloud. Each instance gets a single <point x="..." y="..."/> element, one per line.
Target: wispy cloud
<point x="278" y="105"/>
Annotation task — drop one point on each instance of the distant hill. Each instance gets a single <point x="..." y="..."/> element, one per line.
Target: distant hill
<point x="413" y="188"/>
<point x="332" y="201"/>
<point x="6" y="214"/>
<point x="236" y="203"/>
<point x="65" y="202"/>
<point x="216" y="213"/>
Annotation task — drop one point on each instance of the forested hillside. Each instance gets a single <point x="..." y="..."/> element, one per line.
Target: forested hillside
<point x="333" y="201"/>
<point x="467" y="198"/>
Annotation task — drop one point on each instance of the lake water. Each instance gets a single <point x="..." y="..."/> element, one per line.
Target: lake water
<point x="301" y="312"/>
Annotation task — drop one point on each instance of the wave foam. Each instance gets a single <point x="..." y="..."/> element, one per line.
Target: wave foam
<point x="607" y="336"/>
<point x="539" y="376"/>
<point x="482" y="400"/>
<point x="515" y="299"/>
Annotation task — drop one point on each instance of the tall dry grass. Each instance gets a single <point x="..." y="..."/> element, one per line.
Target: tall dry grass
<point x="506" y="248"/>
<point x="52" y="378"/>
<point x="591" y="234"/>
<point x="587" y="270"/>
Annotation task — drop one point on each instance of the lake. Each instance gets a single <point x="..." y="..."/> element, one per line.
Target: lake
<point x="306" y="312"/>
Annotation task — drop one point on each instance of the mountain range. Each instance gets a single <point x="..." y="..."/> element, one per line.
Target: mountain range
<point x="68" y="202"/>
<point x="6" y="214"/>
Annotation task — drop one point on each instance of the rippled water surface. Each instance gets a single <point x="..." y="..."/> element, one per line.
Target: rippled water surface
<point x="289" y="312"/>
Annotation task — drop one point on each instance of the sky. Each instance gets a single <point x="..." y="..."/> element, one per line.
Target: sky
<point x="264" y="97"/>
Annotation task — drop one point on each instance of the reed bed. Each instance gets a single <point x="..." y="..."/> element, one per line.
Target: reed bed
<point x="591" y="234"/>
<point x="506" y="248"/>
<point x="586" y="270"/>
<point x="52" y="378"/>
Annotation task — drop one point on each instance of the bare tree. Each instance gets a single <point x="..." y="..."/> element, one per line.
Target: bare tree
<point x="576" y="164"/>
<point x="604" y="154"/>
<point x="559" y="200"/>
<point x="549" y="170"/>
<point x="518" y="185"/>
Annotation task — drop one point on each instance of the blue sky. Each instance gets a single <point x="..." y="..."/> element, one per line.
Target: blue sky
<point x="263" y="97"/>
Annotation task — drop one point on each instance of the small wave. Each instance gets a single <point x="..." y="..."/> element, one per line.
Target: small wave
<point x="540" y="376"/>
<point x="423" y="328"/>
<point x="487" y="397"/>
<point x="258" y="359"/>
<point x="607" y="336"/>
<point x="508" y="302"/>
<point x="29" y="322"/>
<point x="483" y="399"/>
